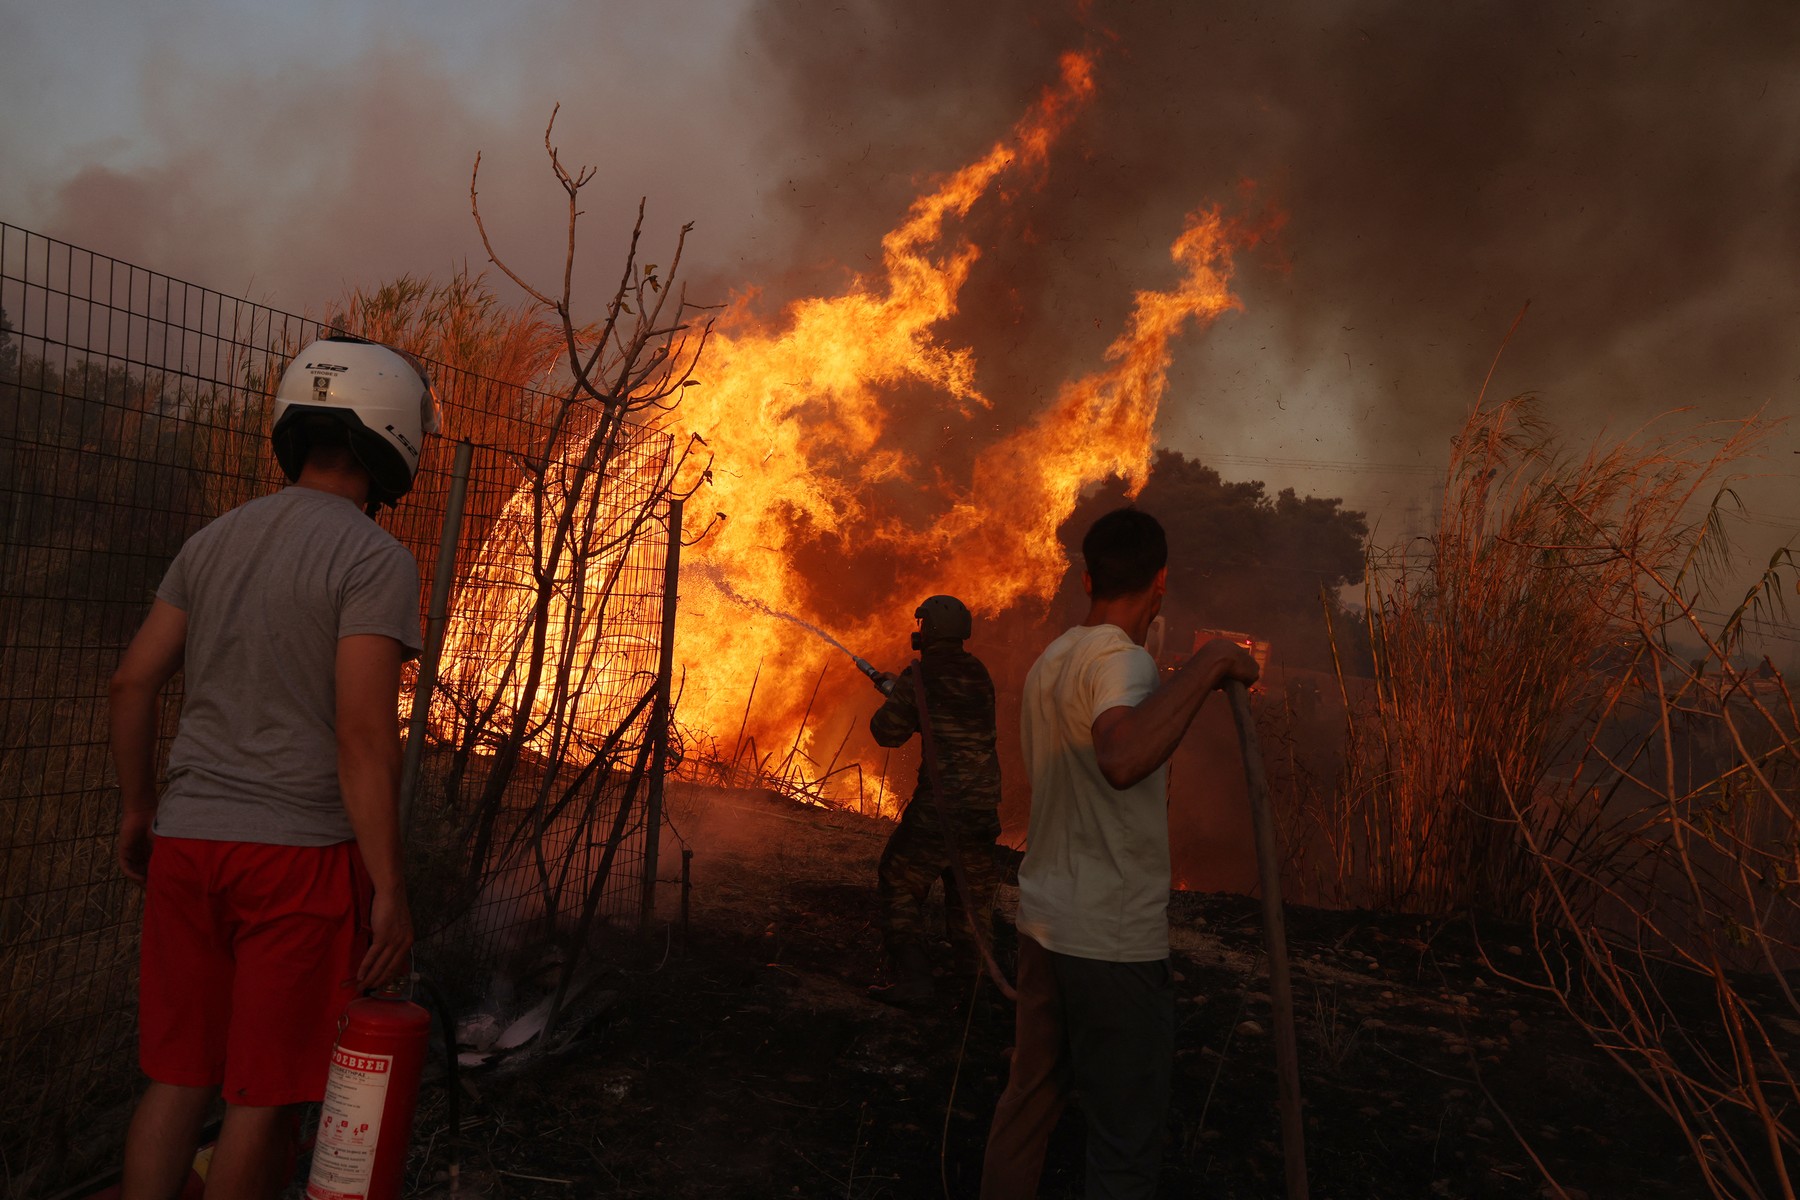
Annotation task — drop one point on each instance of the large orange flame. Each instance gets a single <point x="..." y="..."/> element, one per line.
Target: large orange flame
<point x="799" y="413"/>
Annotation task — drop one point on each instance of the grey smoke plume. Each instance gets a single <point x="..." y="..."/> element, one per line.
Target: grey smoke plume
<point x="1629" y="169"/>
<point x="342" y="158"/>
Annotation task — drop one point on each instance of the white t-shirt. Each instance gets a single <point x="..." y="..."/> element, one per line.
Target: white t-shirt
<point x="1095" y="880"/>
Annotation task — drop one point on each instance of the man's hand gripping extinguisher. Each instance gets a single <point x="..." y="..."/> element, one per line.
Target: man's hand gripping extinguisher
<point x="370" y="1096"/>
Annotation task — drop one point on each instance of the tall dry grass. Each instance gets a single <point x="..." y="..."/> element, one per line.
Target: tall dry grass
<point x="1674" y="952"/>
<point x="1499" y="645"/>
<point x="1560" y="733"/>
<point x="519" y="349"/>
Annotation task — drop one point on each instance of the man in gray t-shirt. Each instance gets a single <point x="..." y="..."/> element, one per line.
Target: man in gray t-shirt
<point x="269" y="589"/>
<point x="271" y="861"/>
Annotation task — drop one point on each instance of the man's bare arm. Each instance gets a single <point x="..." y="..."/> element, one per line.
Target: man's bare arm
<point x="368" y="745"/>
<point x="1131" y="742"/>
<point x="152" y="659"/>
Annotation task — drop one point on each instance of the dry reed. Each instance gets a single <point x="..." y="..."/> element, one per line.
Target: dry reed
<point x="1540" y="746"/>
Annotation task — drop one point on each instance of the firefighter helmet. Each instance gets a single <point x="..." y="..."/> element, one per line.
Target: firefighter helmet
<point x="942" y="619"/>
<point x="381" y="396"/>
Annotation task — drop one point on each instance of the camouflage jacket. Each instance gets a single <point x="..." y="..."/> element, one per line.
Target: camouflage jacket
<point x="960" y="694"/>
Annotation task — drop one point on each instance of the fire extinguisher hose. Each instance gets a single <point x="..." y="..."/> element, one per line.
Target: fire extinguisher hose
<point x="934" y="776"/>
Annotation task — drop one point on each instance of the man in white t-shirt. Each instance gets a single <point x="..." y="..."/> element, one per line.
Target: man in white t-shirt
<point x="1096" y="1008"/>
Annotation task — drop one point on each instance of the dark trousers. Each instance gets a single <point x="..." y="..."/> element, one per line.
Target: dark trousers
<point x="1105" y="1031"/>
<point x="918" y="855"/>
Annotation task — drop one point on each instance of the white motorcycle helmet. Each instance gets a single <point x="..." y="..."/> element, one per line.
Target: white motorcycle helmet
<point x="381" y="396"/>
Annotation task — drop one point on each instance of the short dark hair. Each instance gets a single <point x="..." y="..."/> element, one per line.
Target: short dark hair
<point x="1124" y="550"/>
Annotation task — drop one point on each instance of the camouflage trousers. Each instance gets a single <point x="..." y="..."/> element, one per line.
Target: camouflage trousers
<point x="917" y="856"/>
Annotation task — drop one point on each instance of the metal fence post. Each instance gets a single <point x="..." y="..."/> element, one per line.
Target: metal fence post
<point x="660" y="724"/>
<point x="435" y="621"/>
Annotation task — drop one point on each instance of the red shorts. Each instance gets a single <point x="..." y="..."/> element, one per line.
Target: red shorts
<point x="249" y="954"/>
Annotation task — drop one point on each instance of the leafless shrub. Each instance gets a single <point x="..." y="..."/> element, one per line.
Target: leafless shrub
<point x="552" y="708"/>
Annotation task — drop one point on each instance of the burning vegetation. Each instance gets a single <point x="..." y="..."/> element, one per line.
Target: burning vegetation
<point x="855" y="464"/>
<point x="857" y="467"/>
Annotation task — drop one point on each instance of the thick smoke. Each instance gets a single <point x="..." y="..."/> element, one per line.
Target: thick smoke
<point x="1628" y="169"/>
<point x="340" y="159"/>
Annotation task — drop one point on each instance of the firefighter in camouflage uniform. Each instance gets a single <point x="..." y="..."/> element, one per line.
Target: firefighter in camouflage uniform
<point x="960" y="697"/>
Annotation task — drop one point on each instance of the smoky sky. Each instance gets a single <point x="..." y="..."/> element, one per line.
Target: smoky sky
<point x="1629" y="170"/>
<point x="287" y="158"/>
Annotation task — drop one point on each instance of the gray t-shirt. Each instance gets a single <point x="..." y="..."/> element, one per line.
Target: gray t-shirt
<point x="268" y="589"/>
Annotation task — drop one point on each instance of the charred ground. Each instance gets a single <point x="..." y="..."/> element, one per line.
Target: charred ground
<point x="744" y="1059"/>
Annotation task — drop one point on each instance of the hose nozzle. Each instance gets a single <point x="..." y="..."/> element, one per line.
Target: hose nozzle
<point x="884" y="683"/>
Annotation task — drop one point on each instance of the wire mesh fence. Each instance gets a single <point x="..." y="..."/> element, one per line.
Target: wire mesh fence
<point x="528" y="821"/>
<point x="134" y="408"/>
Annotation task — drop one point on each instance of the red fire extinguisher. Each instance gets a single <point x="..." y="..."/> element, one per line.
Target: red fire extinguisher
<point x="370" y="1096"/>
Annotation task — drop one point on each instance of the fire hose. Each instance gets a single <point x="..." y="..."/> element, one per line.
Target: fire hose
<point x="1281" y="991"/>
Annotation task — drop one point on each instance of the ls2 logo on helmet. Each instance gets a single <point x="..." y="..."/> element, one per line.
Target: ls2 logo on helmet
<point x="401" y="438"/>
